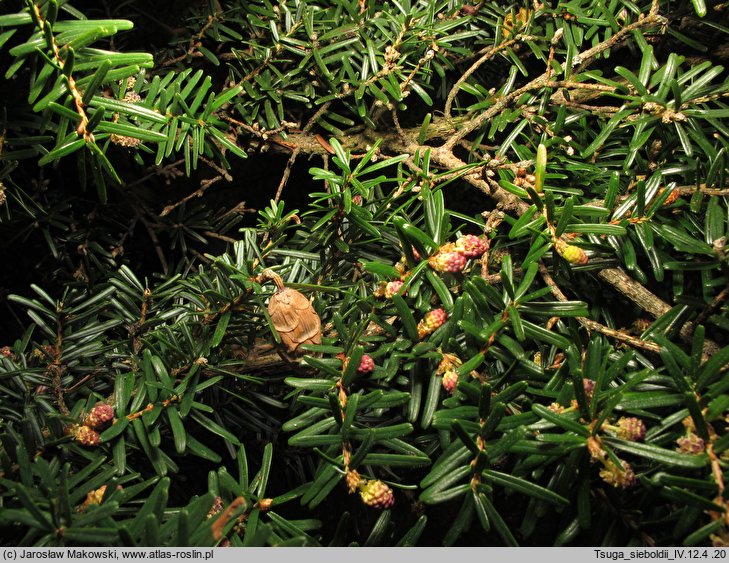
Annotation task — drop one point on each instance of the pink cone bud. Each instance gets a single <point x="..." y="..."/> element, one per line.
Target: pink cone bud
<point x="471" y="246"/>
<point x="431" y="321"/>
<point x="450" y="380"/>
<point x="447" y="259"/>
<point x="391" y="288"/>
<point x="589" y="385"/>
<point x="99" y="415"/>
<point x="366" y="365"/>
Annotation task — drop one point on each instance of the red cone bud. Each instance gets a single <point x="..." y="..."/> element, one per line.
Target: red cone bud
<point x="589" y="385"/>
<point x="366" y="365"/>
<point x="100" y="415"/>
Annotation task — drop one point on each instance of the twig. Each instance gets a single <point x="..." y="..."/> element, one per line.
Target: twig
<point x="570" y="85"/>
<point x="213" y="234"/>
<point x="605" y="111"/>
<point x="652" y="19"/>
<point x="77" y="96"/>
<point x="593" y="325"/>
<point x="56" y="368"/>
<point x="82" y="381"/>
<point x="195" y="42"/>
<point x="219" y="169"/>
<point x="155" y="171"/>
<point x="712" y="307"/>
<point x="446" y="158"/>
<point x="635" y="291"/>
<point x="396" y="122"/>
<point x="204" y="185"/>
<point x="650" y="303"/>
<point x="256" y="131"/>
<point x="290" y="164"/>
<point x="490" y="52"/>
<point x="704" y="189"/>
<point x="150" y="406"/>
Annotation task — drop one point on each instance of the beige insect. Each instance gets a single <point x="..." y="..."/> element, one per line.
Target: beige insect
<point x="293" y="317"/>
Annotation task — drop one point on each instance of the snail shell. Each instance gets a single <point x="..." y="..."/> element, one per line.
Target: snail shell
<point x="295" y="320"/>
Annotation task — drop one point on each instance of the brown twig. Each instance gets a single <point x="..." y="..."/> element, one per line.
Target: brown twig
<point x="156" y="171"/>
<point x="704" y="189"/>
<point x="204" y="185"/>
<point x="82" y="381"/>
<point x="487" y="55"/>
<point x="650" y="303"/>
<point x="213" y="234"/>
<point x="219" y="525"/>
<point x="56" y="368"/>
<point x="290" y="164"/>
<point x="593" y="325"/>
<point x="712" y="307"/>
<point x="150" y="406"/>
<point x="539" y="82"/>
<point x="396" y="122"/>
<point x="75" y="93"/>
<point x="195" y="43"/>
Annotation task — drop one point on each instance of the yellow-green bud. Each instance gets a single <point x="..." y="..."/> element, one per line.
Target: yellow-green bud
<point x="573" y="254"/>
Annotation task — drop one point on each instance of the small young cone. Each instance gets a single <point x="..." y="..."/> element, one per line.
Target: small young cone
<point x="376" y="494"/>
<point x="619" y="477"/>
<point x="447" y="262"/>
<point x="99" y="415"/>
<point x="431" y="321"/>
<point x="353" y="480"/>
<point x="573" y="254"/>
<point x="447" y="362"/>
<point x="450" y="380"/>
<point x="631" y="428"/>
<point x="392" y="288"/>
<point x="471" y="246"/>
<point x="691" y="444"/>
<point x="366" y="365"/>
<point x="93" y="498"/>
<point x="85" y="436"/>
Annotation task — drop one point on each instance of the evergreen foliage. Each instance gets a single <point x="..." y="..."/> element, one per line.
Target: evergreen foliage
<point x="514" y="241"/>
